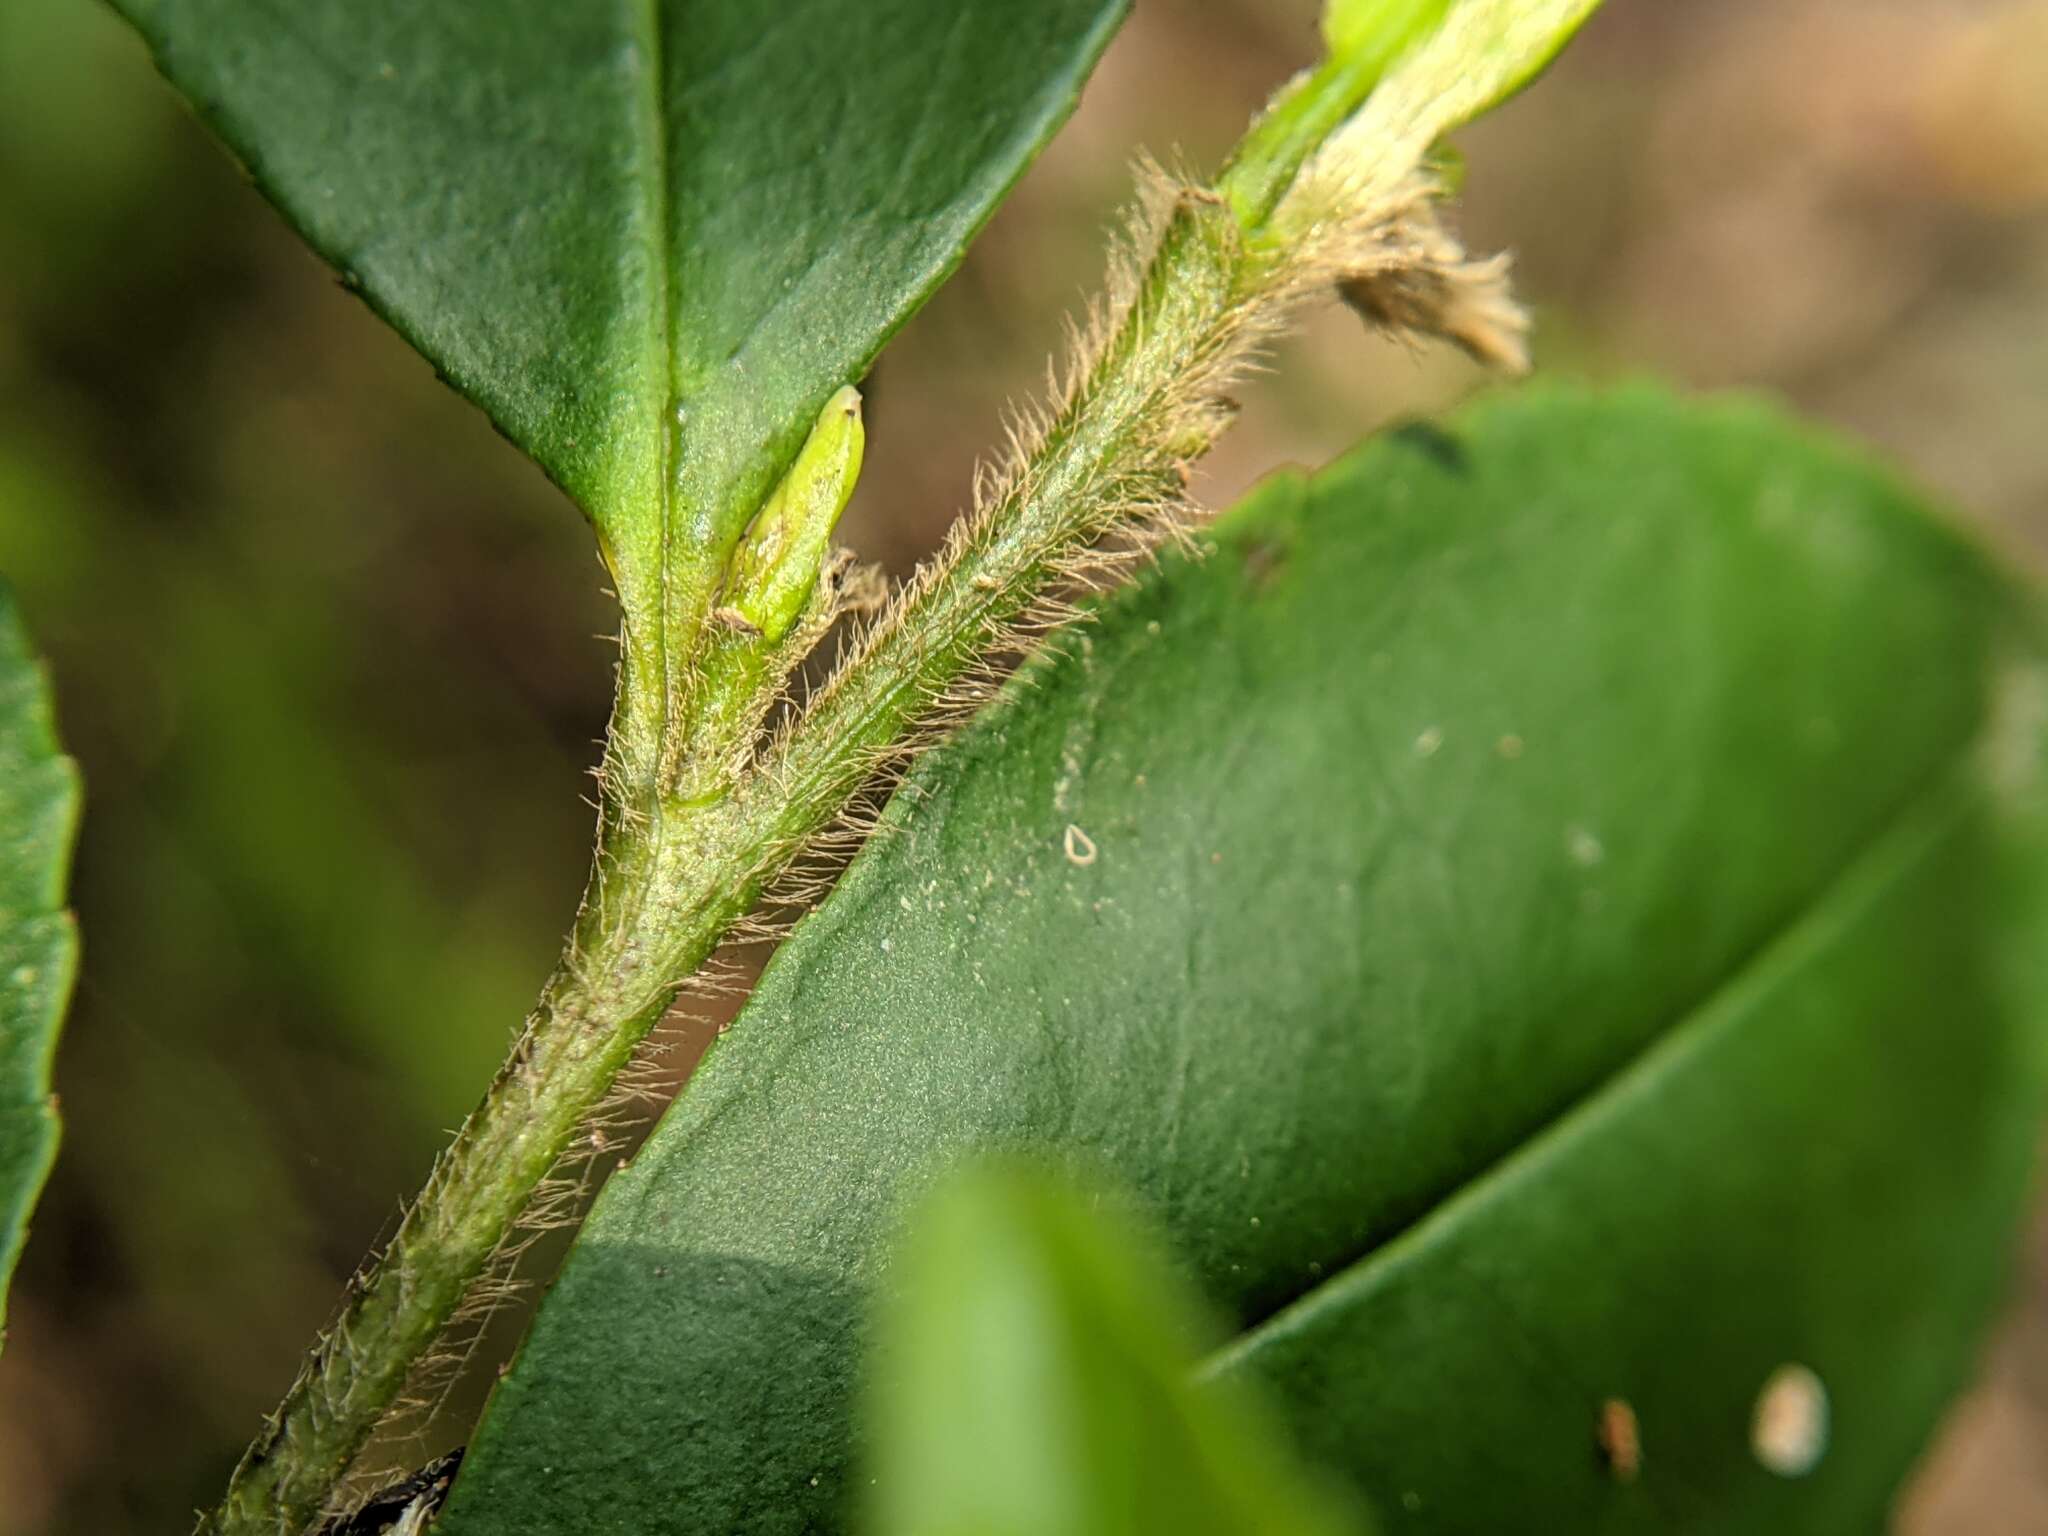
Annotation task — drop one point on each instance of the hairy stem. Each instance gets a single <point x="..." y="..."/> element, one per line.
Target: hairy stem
<point x="1110" y="463"/>
<point x="682" y="858"/>
<point x="656" y="908"/>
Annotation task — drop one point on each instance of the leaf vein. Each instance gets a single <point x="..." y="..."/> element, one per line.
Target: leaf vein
<point x="1920" y="818"/>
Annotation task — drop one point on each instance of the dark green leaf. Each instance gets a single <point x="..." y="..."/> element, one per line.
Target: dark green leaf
<point x="1034" y="1380"/>
<point x="1527" y="914"/>
<point x="649" y="237"/>
<point x="38" y="942"/>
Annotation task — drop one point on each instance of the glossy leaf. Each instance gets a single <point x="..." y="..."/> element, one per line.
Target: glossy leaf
<point x="1524" y="914"/>
<point x="38" y="941"/>
<point x="1034" y="1379"/>
<point x="649" y="237"/>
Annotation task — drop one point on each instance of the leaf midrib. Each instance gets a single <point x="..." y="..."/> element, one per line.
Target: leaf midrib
<point x="1917" y="821"/>
<point x="663" y="224"/>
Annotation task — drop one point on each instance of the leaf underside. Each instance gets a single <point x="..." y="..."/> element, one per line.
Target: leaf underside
<point x="1535" y="916"/>
<point x="38" y="941"/>
<point x="648" y="237"/>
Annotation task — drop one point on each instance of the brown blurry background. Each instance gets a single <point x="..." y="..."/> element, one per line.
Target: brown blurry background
<point x="325" y="645"/>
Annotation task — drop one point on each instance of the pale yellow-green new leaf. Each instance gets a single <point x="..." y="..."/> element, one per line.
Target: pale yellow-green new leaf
<point x="1397" y="75"/>
<point x="1460" y="59"/>
<point x="1356" y="28"/>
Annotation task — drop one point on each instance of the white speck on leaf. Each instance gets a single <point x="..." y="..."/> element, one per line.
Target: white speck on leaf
<point x="1080" y="847"/>
<point x="1427" y="743"/>
<point x="1789" y="1430"/>
<point x="1621" y="1440"/>
<point x="1584" y="848"/>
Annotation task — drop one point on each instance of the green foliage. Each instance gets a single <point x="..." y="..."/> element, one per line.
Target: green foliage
<point x="1500" y="912"/>
<point x="1378" y="29"/>
<point x="1420" y="68"/>
<point x="649" y="238"/>
<point x="1505" y="918"/>
<point x="38" y="942"/>
<point x="648" y="243"/>
<point x="1469" y="54"/>
<point x="1034" y="1380"/>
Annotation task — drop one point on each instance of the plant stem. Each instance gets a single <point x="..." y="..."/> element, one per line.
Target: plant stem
<point x="672" y="875"/>
<point x="1112" y="452"/>
<point x="612" y="985"/>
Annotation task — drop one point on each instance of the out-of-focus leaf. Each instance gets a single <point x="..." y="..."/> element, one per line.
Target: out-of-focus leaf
<point x="1034" y="1379"/>
<point x="1532" y="914"/>
<point x="38" y="941"/>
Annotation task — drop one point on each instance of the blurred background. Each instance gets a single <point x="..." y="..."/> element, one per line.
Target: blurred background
<point x="326" y="647"/>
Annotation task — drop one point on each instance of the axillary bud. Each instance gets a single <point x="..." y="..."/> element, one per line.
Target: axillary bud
<point x="776" y="565"/>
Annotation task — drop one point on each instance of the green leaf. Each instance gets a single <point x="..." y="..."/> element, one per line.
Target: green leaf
<point x="1384" y="28"/>
<point x="1457" y="58"/>
<point x="1527" y="915"/>
<point x="1034" y="1380"/>
<point x="649" y="237"/>
<point x="1396" y="76"/>
<point x="38" y="940"/>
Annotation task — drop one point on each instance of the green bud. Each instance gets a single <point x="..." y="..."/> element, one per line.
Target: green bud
<point x="776" y="565"/>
